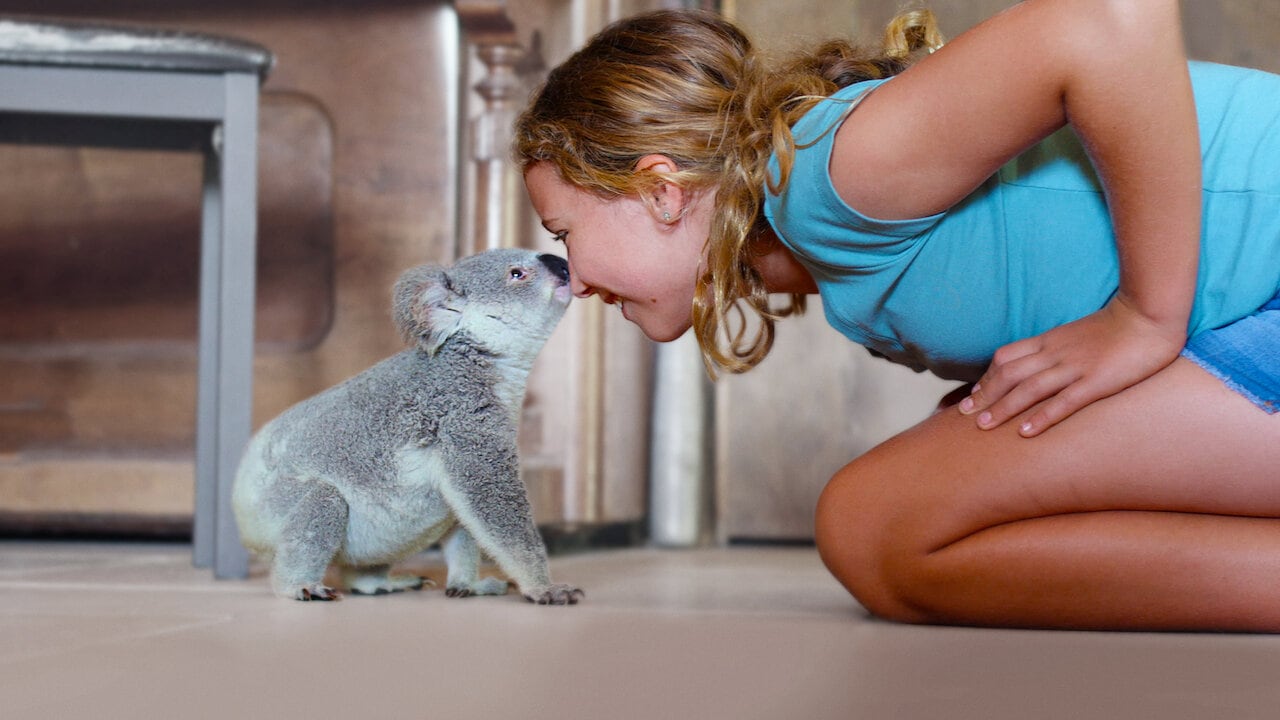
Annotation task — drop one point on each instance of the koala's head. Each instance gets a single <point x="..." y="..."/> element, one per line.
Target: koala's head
<point x="506" y="301"/>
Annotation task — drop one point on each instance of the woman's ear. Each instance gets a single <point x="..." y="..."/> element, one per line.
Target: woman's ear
<point x="664" y="198"/>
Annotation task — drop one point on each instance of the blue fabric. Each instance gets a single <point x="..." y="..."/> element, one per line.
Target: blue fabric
<point x="1245" y="355"/>
<point x="1033" y="247"/>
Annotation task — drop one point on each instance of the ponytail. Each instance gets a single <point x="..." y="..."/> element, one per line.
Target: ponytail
<point x="910" y="33"/>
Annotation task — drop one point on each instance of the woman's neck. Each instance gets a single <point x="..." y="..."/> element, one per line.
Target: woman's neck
<point x="779" y="269"/>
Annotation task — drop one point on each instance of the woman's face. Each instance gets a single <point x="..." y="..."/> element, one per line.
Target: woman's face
<point x="625" y="251"/>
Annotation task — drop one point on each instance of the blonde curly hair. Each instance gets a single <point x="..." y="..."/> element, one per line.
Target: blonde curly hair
<point x="689" y="85"/>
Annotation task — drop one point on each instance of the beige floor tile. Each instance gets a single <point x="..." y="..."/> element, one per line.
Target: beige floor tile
<point x="133" y="631"/>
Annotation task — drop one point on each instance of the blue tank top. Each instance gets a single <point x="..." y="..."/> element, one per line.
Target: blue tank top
<point x="1033" y="247"/>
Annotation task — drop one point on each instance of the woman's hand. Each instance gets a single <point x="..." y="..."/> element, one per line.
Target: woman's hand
<point x="1071" y="366"/>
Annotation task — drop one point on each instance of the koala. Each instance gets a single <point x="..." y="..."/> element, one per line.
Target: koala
<point x="418" y="448"/>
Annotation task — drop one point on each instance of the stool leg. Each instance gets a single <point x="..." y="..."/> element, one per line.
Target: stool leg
<point x="206" y="501"/>
<point x="236" y="322"/>
<point x="227" y="275"/>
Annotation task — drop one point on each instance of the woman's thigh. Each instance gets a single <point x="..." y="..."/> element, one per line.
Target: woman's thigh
<point x="1180" y="442"/>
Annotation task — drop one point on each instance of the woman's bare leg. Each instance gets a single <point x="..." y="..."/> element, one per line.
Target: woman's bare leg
<point x="1158" y="508"/>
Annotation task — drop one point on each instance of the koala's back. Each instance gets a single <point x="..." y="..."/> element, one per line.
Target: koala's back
<point x="346" y="429"/>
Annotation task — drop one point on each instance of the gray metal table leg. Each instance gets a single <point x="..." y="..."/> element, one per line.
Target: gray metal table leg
<point x="235" y="364"/>
<point x="204" y="533"/>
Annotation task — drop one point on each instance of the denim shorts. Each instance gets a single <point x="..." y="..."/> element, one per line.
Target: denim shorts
<point x="1245" y="355"/>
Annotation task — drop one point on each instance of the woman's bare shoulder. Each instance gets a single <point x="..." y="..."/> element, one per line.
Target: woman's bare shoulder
<point x="924" y="140"/>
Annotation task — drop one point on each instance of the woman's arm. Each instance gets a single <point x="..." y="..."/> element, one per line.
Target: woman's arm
<point x="1116" y="70"/>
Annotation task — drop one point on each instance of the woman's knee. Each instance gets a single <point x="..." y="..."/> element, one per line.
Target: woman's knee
<point x="864" y="542"/>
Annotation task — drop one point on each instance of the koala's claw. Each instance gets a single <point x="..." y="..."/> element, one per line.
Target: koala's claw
<point x="557" y="595"/>
<point x="317" y="592"/>
<point x="458" y="592"/>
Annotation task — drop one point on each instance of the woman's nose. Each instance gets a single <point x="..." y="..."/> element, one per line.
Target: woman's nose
<point x="579" y="288"/>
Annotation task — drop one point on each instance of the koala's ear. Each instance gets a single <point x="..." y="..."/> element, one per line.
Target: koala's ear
<point x="427" y="309"/>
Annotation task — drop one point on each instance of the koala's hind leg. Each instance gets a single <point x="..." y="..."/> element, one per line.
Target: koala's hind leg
<point x="312" y="534"/>
<point x="378" y="580"/>
<point x="462" y="555"/>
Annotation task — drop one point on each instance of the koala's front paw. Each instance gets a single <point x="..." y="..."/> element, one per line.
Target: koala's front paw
<point x="316" y="592"/>
<point x="555" y="595"/>
<point x="485" y="586"/>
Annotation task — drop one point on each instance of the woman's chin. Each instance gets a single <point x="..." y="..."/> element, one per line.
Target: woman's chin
<point x="661" y="334"/>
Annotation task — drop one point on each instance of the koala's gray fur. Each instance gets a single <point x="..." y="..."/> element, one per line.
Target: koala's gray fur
<point x="420" y="447"/>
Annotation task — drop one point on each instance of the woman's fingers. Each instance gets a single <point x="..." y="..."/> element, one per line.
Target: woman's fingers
<point x="1012" y="365"/>
<point x="1030" y="390"/>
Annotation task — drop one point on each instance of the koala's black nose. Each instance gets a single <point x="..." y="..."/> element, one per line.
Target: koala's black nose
<point x="557" y="265"/>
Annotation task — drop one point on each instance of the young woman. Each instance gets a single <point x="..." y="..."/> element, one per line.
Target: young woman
<point x="1048" y="206"/>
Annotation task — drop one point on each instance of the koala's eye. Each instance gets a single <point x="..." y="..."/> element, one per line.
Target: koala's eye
<point x="516" y="273"/>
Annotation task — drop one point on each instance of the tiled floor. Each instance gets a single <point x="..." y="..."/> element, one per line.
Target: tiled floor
<point x="133" y="631"/>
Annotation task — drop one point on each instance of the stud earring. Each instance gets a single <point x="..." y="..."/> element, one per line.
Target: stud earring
<point x="666" y="217"/>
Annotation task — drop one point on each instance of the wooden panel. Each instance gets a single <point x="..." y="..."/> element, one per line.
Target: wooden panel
<point x="357" y="155"/>
<point x="816" y="402"/>
<point x="99" y="247"/>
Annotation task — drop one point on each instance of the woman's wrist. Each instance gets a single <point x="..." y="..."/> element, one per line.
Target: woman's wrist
<point x="1169" y="317"/>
